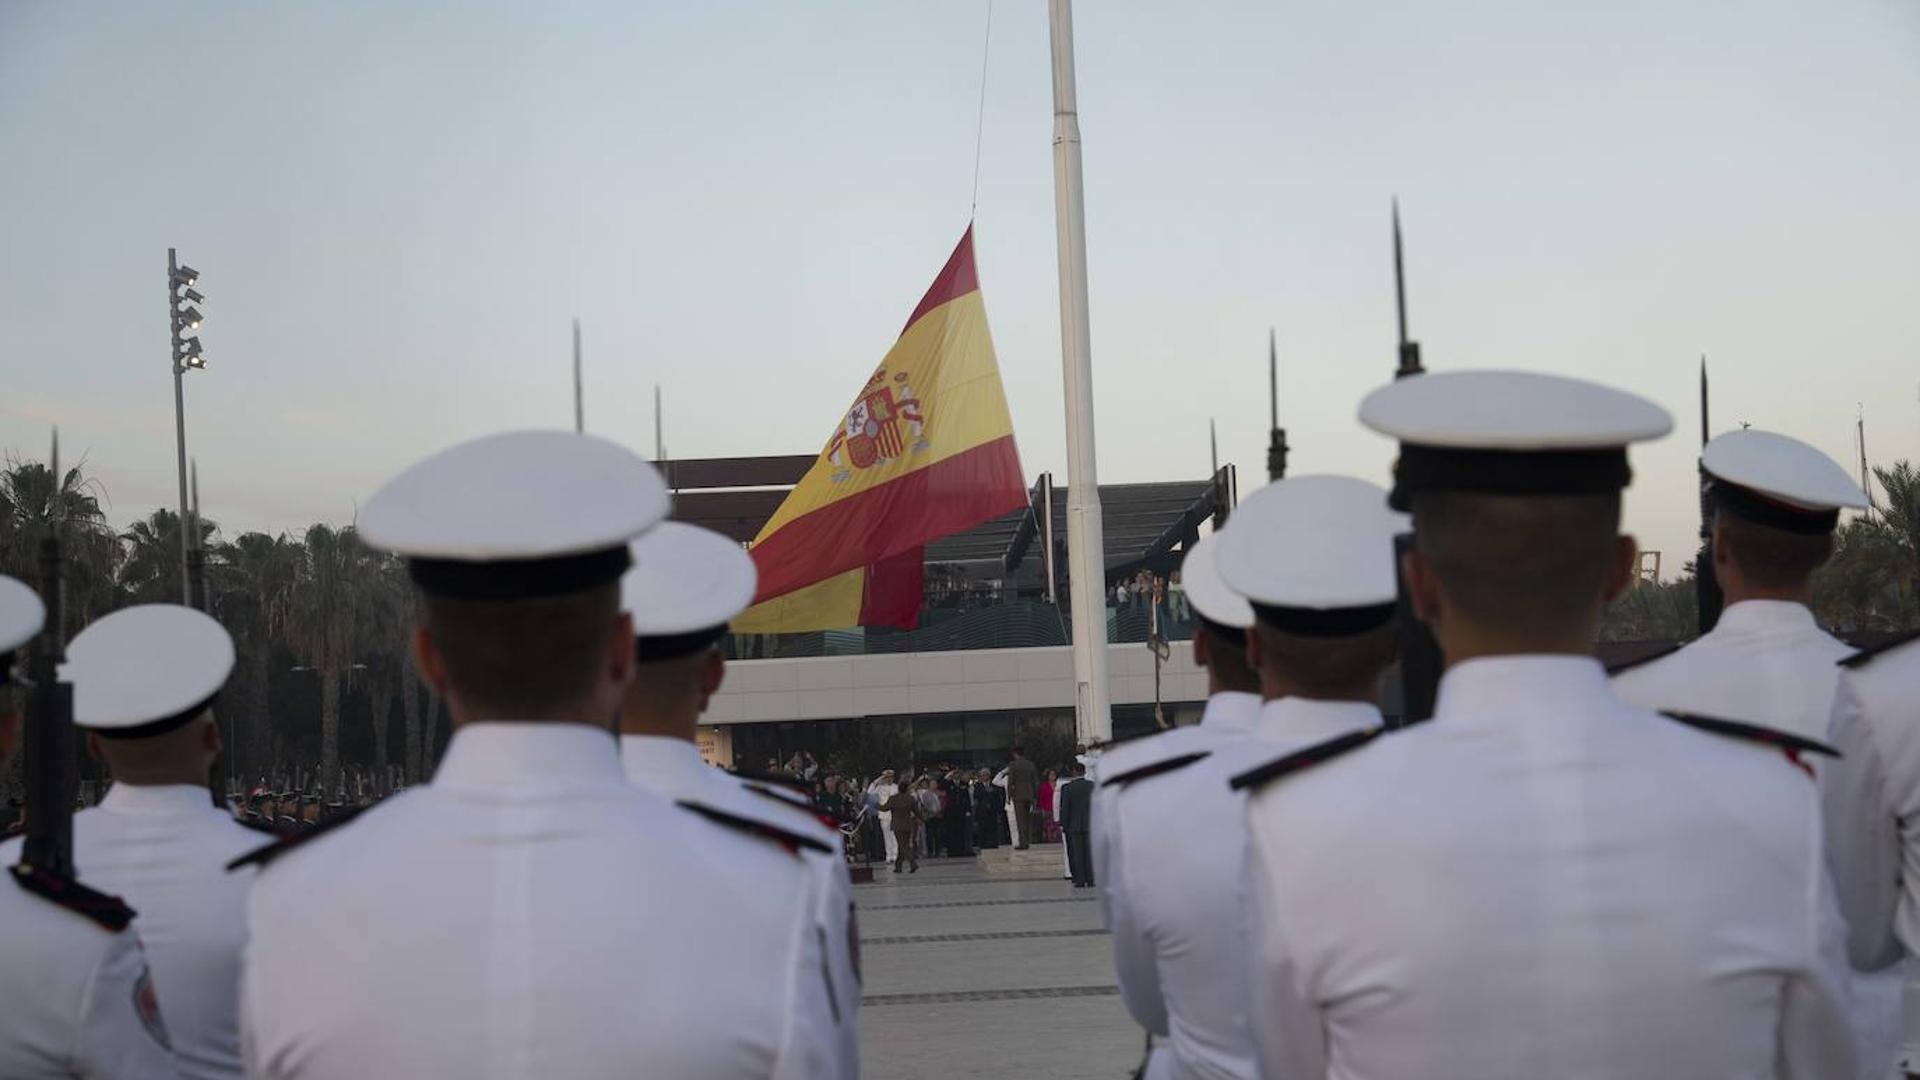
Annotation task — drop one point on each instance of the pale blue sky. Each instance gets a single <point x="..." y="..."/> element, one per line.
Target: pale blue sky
<point x="396" y="207"/>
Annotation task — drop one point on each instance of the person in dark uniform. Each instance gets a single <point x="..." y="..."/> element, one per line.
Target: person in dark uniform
<point x="988" y="810"/>
<point x="1076" y="820"/>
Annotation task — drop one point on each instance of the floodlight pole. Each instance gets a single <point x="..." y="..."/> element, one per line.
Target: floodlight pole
<point x="1086" y="566"/>
<point x="179" y="427"/>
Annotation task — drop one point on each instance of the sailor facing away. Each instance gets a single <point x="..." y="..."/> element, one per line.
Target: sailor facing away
<point x="530" y="912"/>
<point x="1776" y="503"/>
<point x="1872" y="804"/>
<point x="144" y="683"/>
<point x="1169" y="835"/>
<point x="686" y="583"/>
<point x="78" y="998"/>
<point x="1541" y="880"/>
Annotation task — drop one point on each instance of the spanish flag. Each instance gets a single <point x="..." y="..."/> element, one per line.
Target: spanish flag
<point x="925" y="450"/>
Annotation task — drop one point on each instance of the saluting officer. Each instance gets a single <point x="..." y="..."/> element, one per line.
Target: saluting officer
<point x="530" y="912"/>
<point x="1315" y="554"/>
<point x="145" y="680"/>
<point x="685" y="585"/>
<point x="1776" y="504"/>
<point x="74" y="987"/>
<point x="1541" y="880"/>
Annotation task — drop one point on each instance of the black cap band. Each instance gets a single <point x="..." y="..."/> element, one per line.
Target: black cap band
<point x="1231" y="635"/>
<point x="155" y="727"/>
<point x="1325" y="622"/>
<point x="1423" y="468"/>
<point x="648" y="648"/>
<point x="1744" y="502"/>
<point x="7" y="660"/>
<point x="518" y="579"/>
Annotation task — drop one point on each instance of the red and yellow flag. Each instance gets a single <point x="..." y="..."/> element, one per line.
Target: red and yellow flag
<point x="925" y="451"/>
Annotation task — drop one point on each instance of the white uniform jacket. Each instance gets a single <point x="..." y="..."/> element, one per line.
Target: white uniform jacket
<point x="164" y="849"/>
<point x="672" y="769"/>
<point x="1544" y="881"/>
<point x="76" y="997"/>
<point x="1767" y="663"/>
<point x="532" y="913"/>
<point x="1169" y="853"/>
<point x="1764" y="663"/>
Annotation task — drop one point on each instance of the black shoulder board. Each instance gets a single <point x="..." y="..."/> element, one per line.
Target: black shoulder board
<point x="265" y="855"/>
<point x="792" y="841"/>
<point x="1861" y="658"/>
<point x="1307" y="758"/>
<point x="109" y="911"/>
<point x="1178" y="761"/>
<point x="1785" y="740"/>
<point x="1657" y="654"/>
<point x="774" y="795"/>
<point x="798" y="787"/>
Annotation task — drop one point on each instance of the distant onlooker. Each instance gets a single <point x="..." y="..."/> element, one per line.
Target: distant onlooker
<point x="1023" y="784"/>
<point x="904" y="810"/>
<point x="1076" y="821"/>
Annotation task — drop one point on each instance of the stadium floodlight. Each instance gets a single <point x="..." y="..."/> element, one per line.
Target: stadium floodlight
<point x="185" y="276"/>
<point x="193" y="297"/>
<point x="190" y="318"/>
<point x="184" y="316"/>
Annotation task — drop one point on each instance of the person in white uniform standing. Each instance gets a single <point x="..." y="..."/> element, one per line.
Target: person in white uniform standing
<point x="685" y="585"/>
<point x="531" y="912"/>
<point x="74" y="985"/>
<point x="145" y="680"/>
<point x="1317" y="553"/>
<point x="884" y="787"/>
<point x="1871" y="797"/>
<point x="1776" y="504"/>
<point x="1540" y="880"/>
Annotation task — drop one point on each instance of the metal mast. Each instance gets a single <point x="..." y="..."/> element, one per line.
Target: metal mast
<point x="1086" y="568"/>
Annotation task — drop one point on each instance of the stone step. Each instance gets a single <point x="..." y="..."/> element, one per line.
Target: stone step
<point x="1038" y="859"/>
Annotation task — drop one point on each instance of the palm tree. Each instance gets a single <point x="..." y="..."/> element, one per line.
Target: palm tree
<point x="1901" y="517"/>
<point x="324" y="624"/>
<point x="31" y="498"/>
<point x="252" y="585"/>
<point x="387" y="611"/>
<point x="150" y="570"/>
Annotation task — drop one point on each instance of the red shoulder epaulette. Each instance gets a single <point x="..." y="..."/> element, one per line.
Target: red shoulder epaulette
<point x="265" y="855"/>
<point x="1178" y="761"/>
<point x="1865" y="656"/>
<point x="1313" y="755"/>
<point x="794" y="842"/>
<point x="1657" y="654"/>
<point x="109" y="911"/>
<point x="1789" y="744"/>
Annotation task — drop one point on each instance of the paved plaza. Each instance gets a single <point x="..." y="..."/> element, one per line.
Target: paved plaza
<point x="976" y="974"/>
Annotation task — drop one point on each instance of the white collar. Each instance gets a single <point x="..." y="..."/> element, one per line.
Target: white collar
<point x="1230" y="712"/>
<point x="1531" y="686"/>
<point x="1306" y="720"/>
<point x="143" y="799"/>
<point x="493" y="754"/>
<point x="1765" y="615"/>
<point x="660" y="756"/>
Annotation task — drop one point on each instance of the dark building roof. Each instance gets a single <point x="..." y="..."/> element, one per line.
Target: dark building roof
<point x="1144" y="523"/>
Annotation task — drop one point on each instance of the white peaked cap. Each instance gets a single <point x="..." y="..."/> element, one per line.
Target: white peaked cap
<point x="686" y="578"/>
<point x="1782" y="468"/>
<point x="146" y="670"/>
<point x="1511" y="410"/>
<point x="526" y="513"/>
<point x="1312" y="542"/>
<point x="21" y="615"/>
<point x="1209" y="595"/>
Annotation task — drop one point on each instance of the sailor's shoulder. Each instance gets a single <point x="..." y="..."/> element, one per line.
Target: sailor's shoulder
<point x="1297" y="761"/>
<point x="271" y="853"/>
<point x="109" y="912"/>
<point x="1646" y="661"/>
<point x="796" y="838"/>
<point x="1906" y="647"/>
<point x="1791" y="746"/>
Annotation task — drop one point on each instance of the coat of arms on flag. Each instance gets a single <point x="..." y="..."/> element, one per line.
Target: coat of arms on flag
<point x="925" y="450"/>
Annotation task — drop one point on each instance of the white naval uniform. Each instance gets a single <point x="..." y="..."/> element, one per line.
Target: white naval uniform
<point x="885" y="792"/>
<point x="70" y="994"/>
<point x="1872" y="805"/>
<point x="1766" y="662"/>
<point x="673" y="769"/>
<point x="1169" y="853"/>
<point x="1543" y="881"/>
<point x="164" y="850"/>
<point x="530" y="913"/>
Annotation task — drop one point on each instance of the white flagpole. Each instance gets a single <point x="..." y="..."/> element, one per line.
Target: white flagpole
<point x="1086" y="564"/>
